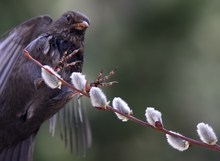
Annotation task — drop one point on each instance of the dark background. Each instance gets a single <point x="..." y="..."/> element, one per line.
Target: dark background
<point x="168" y="54"/>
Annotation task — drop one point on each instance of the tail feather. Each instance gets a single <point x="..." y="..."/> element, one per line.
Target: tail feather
<point x="20" y="152"/>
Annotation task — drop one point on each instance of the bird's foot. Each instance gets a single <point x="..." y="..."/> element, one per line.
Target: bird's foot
<point x="63" y="61"/>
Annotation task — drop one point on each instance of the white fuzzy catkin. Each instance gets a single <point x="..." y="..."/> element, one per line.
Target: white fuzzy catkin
<point x="121" y="106"/>
<point x="153" y="116"/>
<point x="98" y="98"/>
<point x="49" y="79"/>
<point x="78" y="80"/>
<point x="206" y="134"/>
<point x="177" y="143"/>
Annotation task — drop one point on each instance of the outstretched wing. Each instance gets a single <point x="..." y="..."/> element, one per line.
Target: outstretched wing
<point x="20" y="152"/>
<point x="74" y="126"/>
<point x="12" y="44"/>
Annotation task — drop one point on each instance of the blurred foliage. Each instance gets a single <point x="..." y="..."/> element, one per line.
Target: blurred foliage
<point x="168" y="55"/>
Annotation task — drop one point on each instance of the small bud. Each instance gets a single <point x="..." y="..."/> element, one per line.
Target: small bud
<point x="206" y="134"/>
<point x="177" y="143"/>
<point x="49" y="79"/>
<point x="78" y="80"/>
<point x="98" y="98"/>
<point x="153" y="116"/>
<point x="121" y="106"/>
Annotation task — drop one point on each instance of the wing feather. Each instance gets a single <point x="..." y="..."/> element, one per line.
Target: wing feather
<point x="12" y="44"/>
<point x="74" y="127"/>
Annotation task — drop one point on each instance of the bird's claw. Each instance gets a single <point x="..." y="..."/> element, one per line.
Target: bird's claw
<point x="72" y="64"/>
<point x="62" y="63"/>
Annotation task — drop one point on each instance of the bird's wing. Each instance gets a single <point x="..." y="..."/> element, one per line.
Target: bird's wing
<point x="74" y="126"/>
<point x="20" y="152"/>
<point x="12" y="44"/>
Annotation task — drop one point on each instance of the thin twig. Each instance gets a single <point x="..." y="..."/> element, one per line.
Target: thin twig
<point x="191" y="141"/>
<point x="215" y="147"/>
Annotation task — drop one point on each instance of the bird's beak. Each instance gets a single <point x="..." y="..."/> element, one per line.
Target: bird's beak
<point x="81" y="25"/>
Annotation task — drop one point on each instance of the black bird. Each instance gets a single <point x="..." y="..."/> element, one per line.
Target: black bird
<point x="24" y="102"/>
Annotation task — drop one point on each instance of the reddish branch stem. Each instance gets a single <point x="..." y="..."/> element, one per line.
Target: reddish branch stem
<point x="130" y="117"/>
<point x="163" y="130"/>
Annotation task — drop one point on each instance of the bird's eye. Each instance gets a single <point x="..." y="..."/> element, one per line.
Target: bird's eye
<point x="68" y="18"/>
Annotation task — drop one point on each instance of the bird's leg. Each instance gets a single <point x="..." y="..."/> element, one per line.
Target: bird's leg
<point x="62" y="63"/>
<point x="71" y="64"/>
<point x="100" y="79"/>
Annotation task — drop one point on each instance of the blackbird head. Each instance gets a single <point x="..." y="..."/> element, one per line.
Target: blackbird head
<point x="69" y="31"/>
<point x="76" y="20"/>
<point x="72" y="23"/>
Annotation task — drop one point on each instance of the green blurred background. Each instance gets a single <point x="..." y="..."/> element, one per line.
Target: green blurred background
<point x="168" y="54"/>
